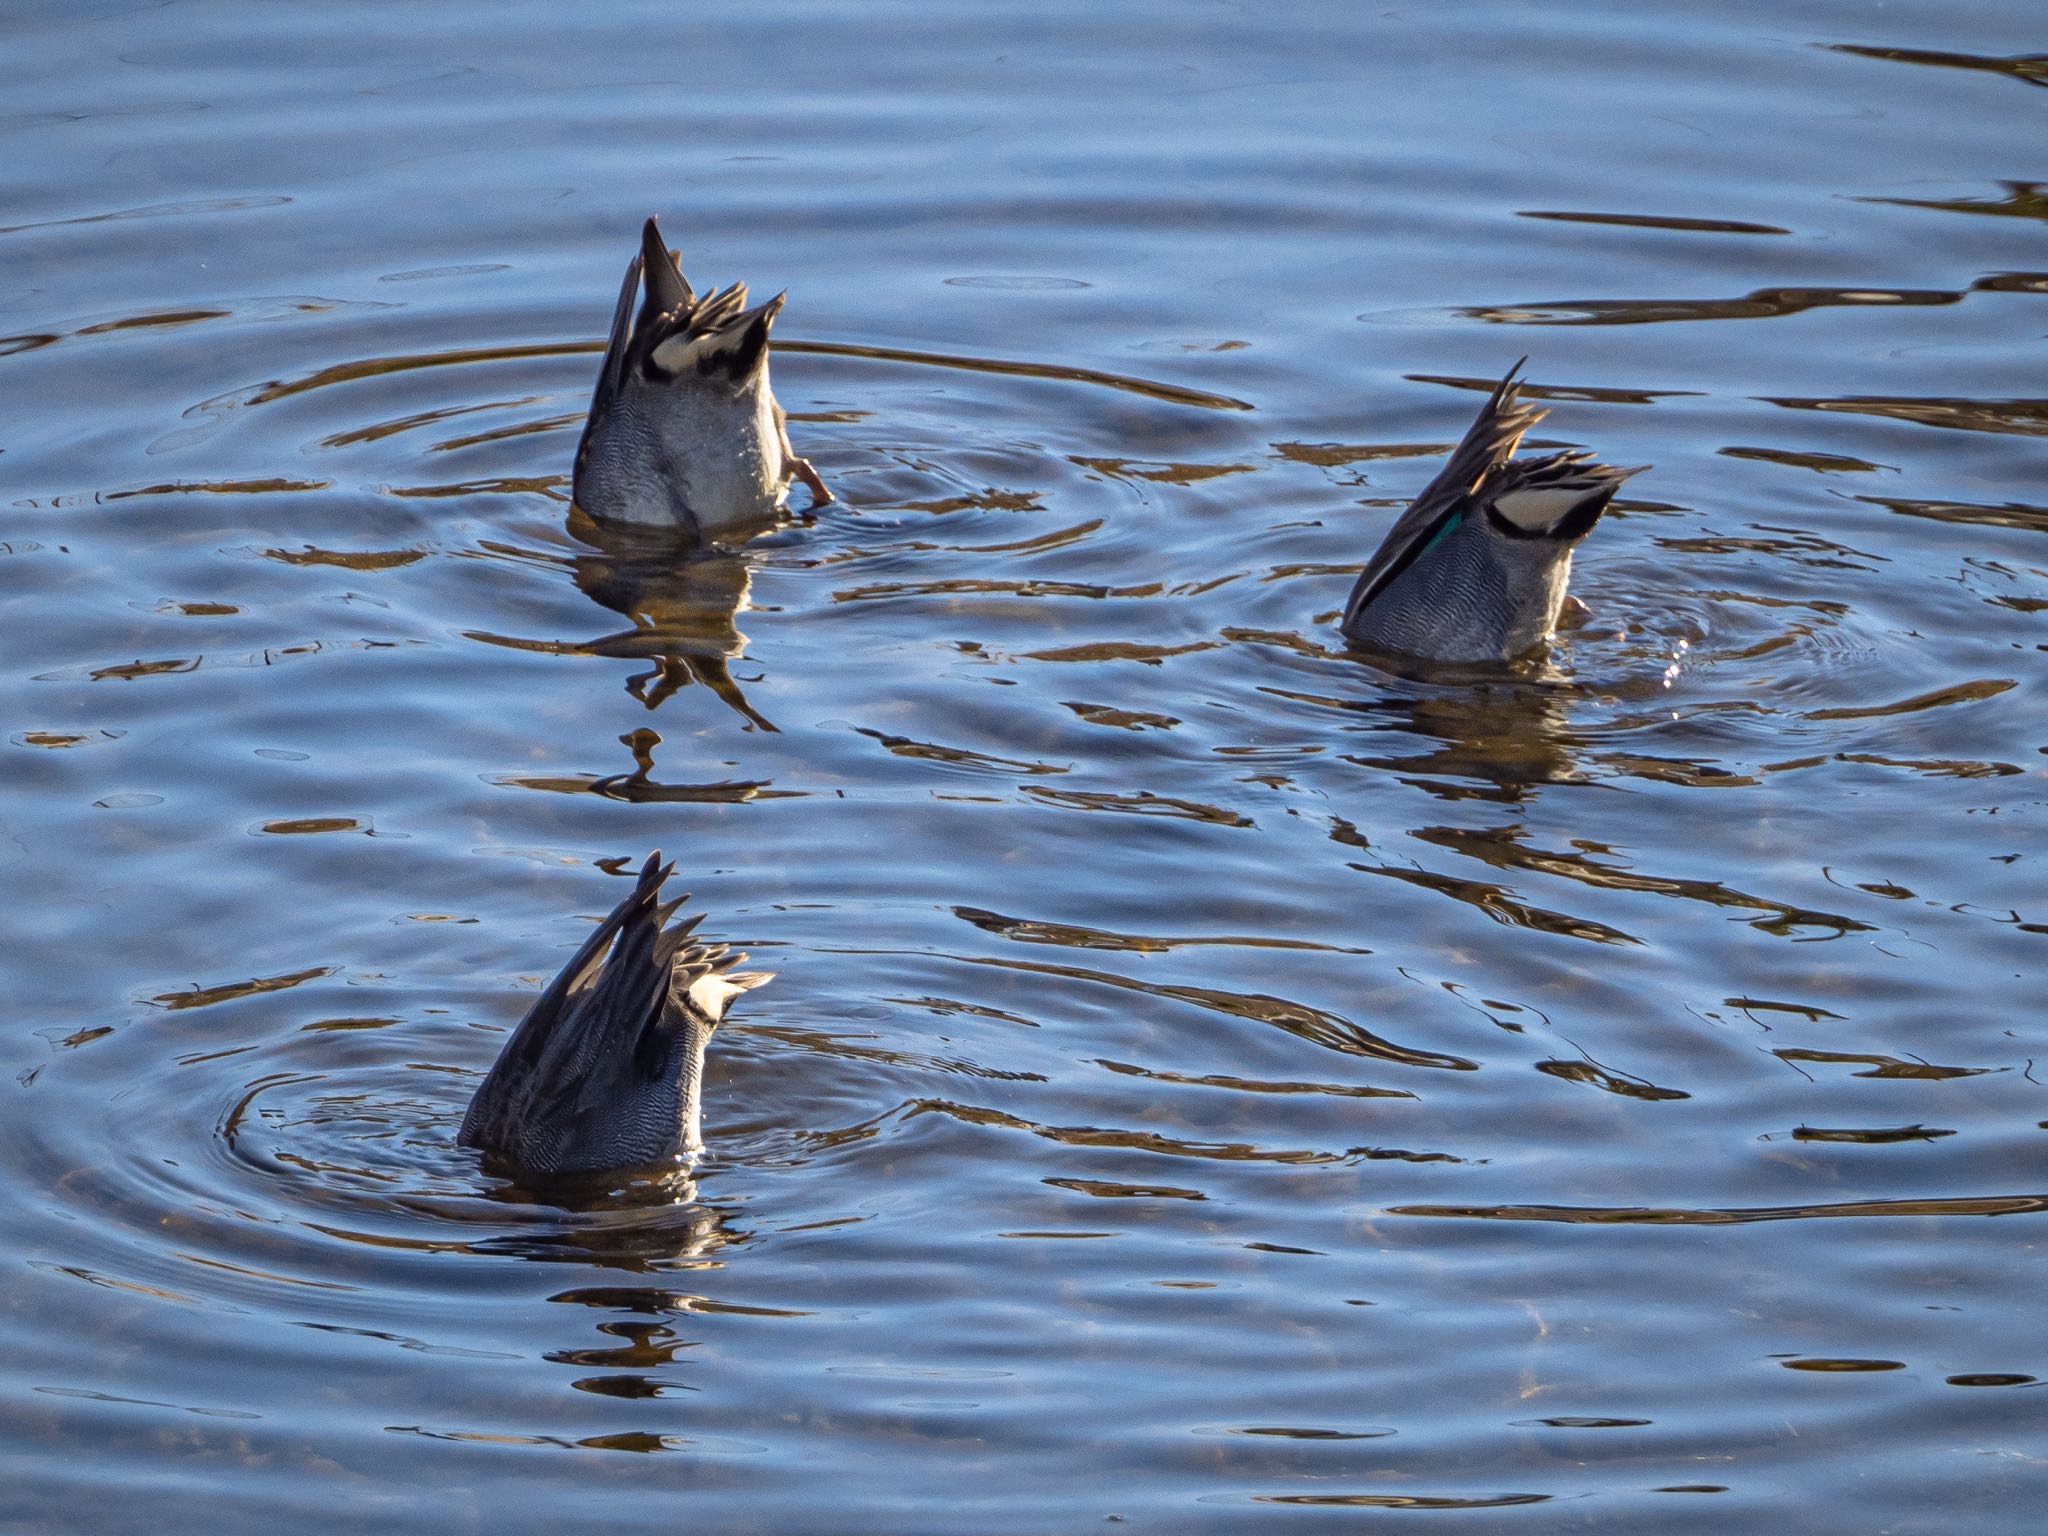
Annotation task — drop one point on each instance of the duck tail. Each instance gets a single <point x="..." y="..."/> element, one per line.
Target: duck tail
<point x="722" y="339"/>
<point x="1558" y="497"/>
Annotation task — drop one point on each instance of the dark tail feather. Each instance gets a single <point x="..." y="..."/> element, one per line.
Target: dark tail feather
<point x="529" y="1056"/>
<point x="736" y="353"/>
<point x="1486" y="445"/>
<point x="667" y="289"/>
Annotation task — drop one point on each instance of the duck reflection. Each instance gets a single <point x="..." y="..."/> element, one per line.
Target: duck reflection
<point x="642" y="1223"/>
<point x="652" y="1224"/>
<point x="1501" y="741"/>
<point x="683" y="601"/>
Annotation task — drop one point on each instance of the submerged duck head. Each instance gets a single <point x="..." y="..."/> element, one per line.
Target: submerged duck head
<point x="606" y="1071"/>
<point x="1476" y="568"/>
<point x="684" y="431"/>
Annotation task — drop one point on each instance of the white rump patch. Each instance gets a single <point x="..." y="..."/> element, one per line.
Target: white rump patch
<point x="713" y="993"/>
<point x="1540" y="508"/>
<point x="681" y="354"/>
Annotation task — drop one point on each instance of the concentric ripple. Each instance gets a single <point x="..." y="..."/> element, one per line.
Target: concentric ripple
<point x="1213" y="1079"/>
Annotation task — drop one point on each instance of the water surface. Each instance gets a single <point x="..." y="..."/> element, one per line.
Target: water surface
<point x="1214" y="1082"/>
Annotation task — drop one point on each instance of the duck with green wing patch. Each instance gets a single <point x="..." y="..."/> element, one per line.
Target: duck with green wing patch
<point x="1476" y="569"/>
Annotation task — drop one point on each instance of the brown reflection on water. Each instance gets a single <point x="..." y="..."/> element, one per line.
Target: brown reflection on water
<point x="959" y="757"/>
<point x="1624" y="1084"/>
<point x="1120" y="719"/>
<point x="1140" y="803"/>
<point x="1336" y="455"/>
<point x="1643" y="1215"/>
<point x="1821" y="463"/>
<point x="2028" y="68"/>
<point x="1119" y="650"/>
<point x="1657" y="221"/>
<point x="1937" y="698"/>
<point x="1162" y="474"/>
<point x="349" y="560"/>
<point x="1315" y="1025"/>
<point x="63" y="740"/>
<point x="227" y="992"/>
<point x="984" y="587"/>
<point x="1107" y="1189"/>
<point x="1173" y="394"/>
<point x="1133" y="1140"/>
<point x="1761" y="304"/>
<point x="1253" y="1085"/>
<point x="2022" y="200"/>
<point x="1503" y="848"/>
<point x="1877" y="1136"/>
<point x="384" y="429"/>
<point x="1400" y="1500"/>
<point x="273" y="486"/>
<point x="1601" y="394"/>
<point x="2011" y="514"/>
<point x="155" y="211"/>
<point x="1031" y="931"/>
<point x="1500" y="904"/>
<point x="2026" y="417"/>
<point x="1879" y="1065"/>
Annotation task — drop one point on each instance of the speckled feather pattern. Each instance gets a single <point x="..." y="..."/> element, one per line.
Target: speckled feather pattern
<point x="684" y="432"/>
<point x="606" y="1070"/>
<point x="690" y="454"/>
<point x="1475" y="595"/>
<point x="1476" y="568"/>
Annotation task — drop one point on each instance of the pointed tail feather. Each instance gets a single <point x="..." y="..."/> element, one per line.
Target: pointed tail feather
<point x="667" y="289"/>
<point x="534" y="1045"/>
<point x="1493" y="436"/>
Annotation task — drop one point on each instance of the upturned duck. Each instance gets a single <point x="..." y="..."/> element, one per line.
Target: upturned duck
<point x="684" y="431"/>
<point x="606" y="1071"/>
<point x="1476" y="568"/>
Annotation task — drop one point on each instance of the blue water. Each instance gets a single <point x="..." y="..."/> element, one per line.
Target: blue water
<point x="1213" y="1083"/>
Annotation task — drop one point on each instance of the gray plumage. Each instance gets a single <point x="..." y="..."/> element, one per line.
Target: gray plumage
<point x="684" y="431"/>
<point x="1476" y="568"/>
<point x="606" y="1070"/>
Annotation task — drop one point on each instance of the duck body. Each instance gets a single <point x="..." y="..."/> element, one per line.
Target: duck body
<point x="684" y="431"/>
<point x="606" y="1071"/>
<point x="1478" y="566"/>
